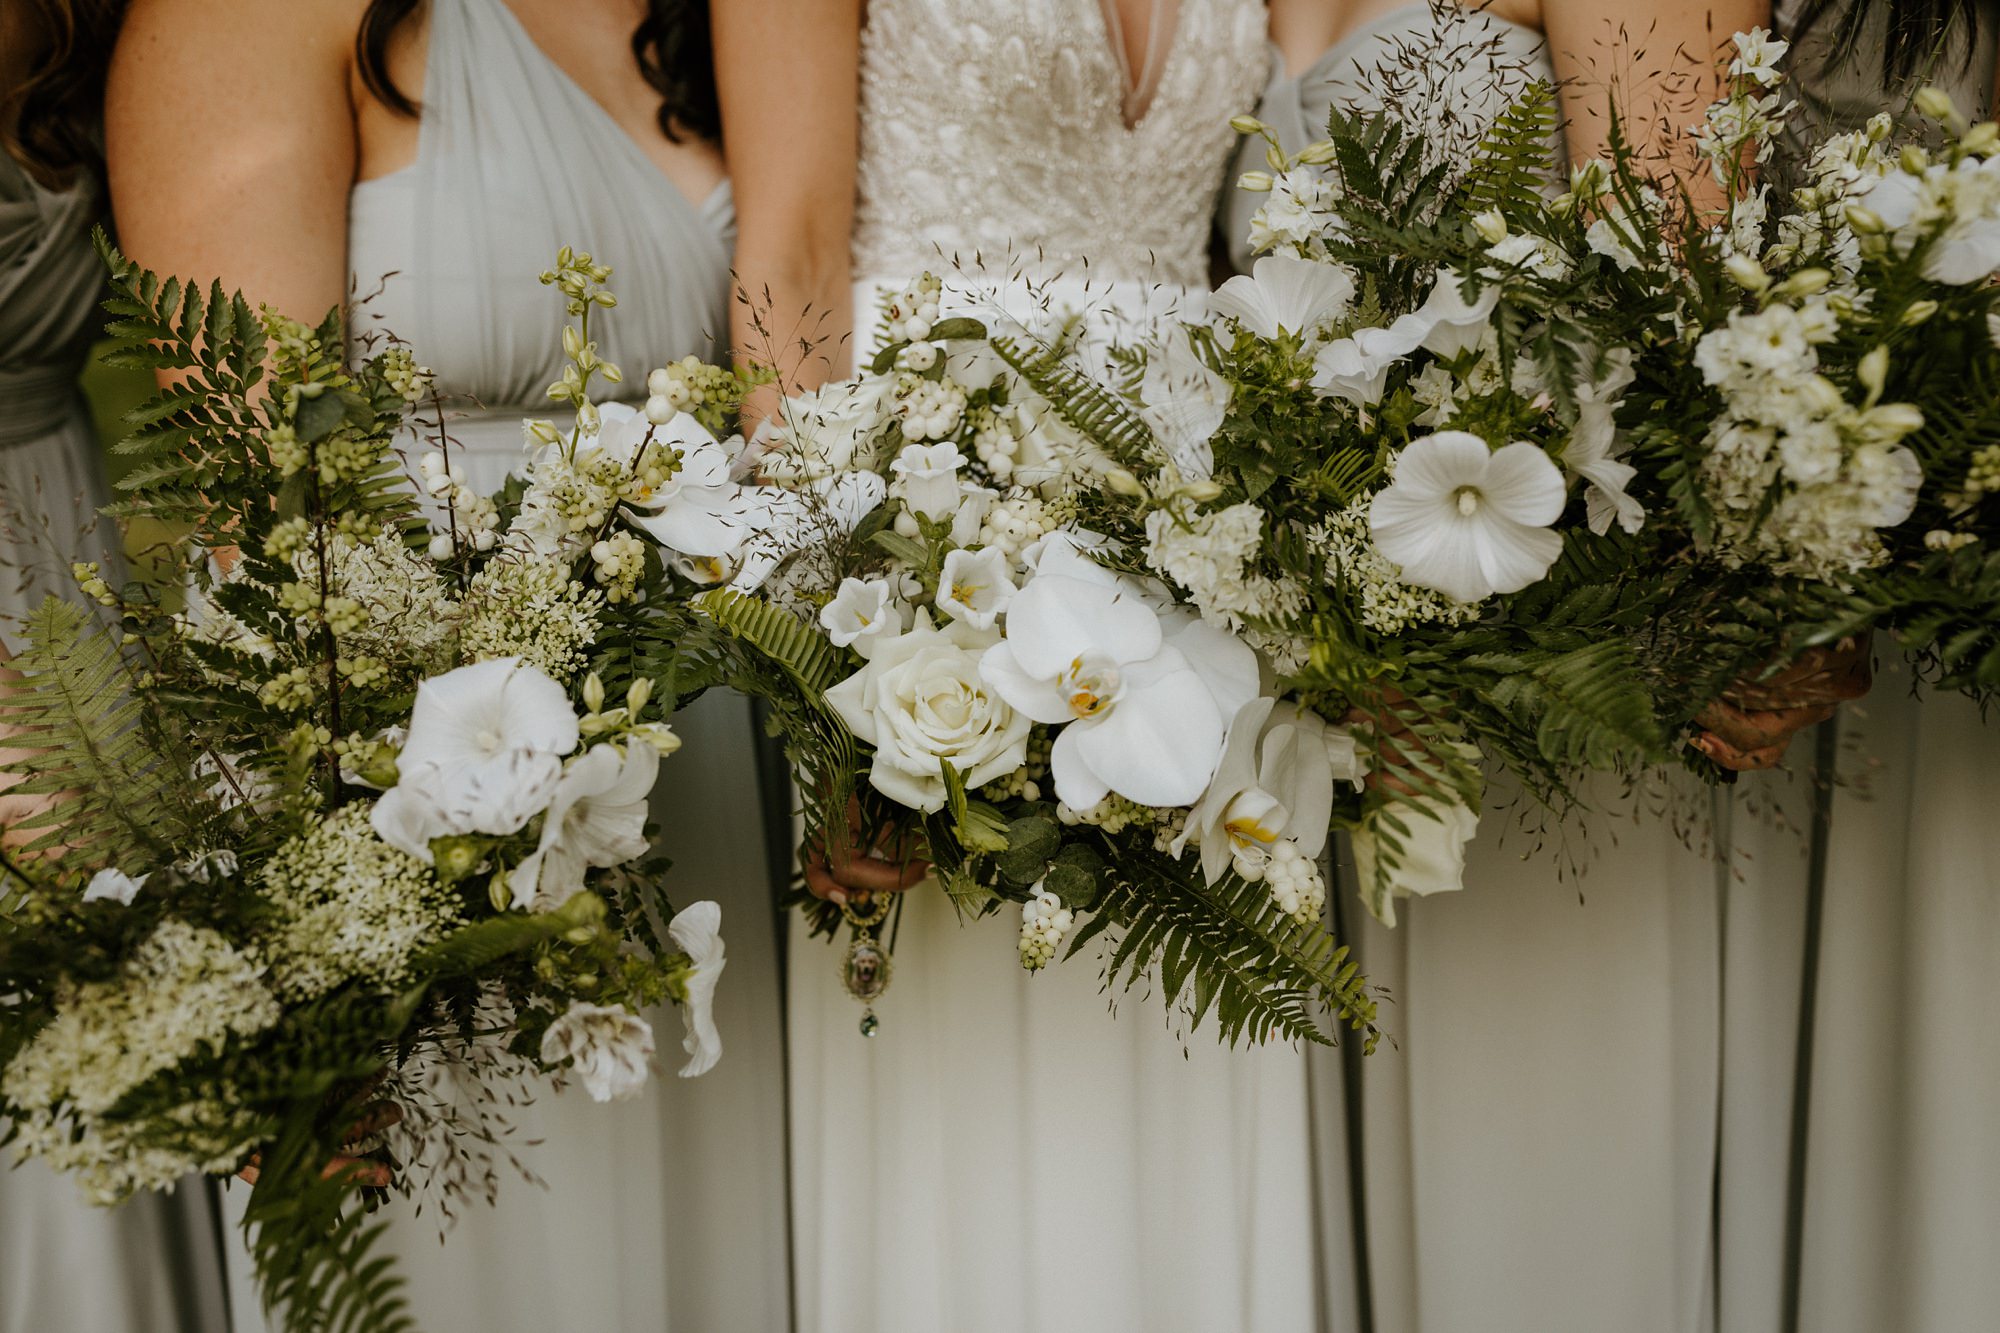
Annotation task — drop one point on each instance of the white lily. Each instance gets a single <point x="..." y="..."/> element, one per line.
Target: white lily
<point x="610" y="1046"/>
<point x="596" y="818"/>
<point x="1591" y="452"/>
<point x="1357" y="367"/>
<point x="697" y="931"/>
<point x="113" y="885"/>
<point x="484" y="755"/>
<point x="1087" y="652"/>
<point x="1467" y="520"/>
<point x="975" y="586"/>
<point x="861" y="615"/>
<point x="1276" y="780"/>
<point x="1283" y="294"/>
<point x="1184" y="401"/>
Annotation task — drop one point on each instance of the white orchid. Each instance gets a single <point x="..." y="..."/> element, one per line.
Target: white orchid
<point x="922" y="703"/>
<point x="113" y="885"/>
<point x="1467" y="520"/>
<point x="1283" y="294"/>
<point x="1430" y="857"/>
<point x="929" y="474"/>
<point x="484" y="755"/>
<point x="1184" y="400"/>
<point x="1592" y="452"/>
<point x="697" y="931"/>
<point x="610" y="1046"/>
<point x="1140" y="716"/>
<point x="1276" y="780"/>
<point x="597" y="817"/>
<point x="698" y="511"/>
<point x="976" y="586"/>
<point x="862" y="614"/>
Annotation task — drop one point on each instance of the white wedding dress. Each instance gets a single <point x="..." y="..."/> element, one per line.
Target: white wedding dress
<point x="1005" y="1155"/>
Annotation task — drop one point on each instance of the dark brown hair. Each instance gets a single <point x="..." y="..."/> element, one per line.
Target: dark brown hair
<point x="671" y="45"/>
<point x="1924" y="38"/>
<point x="52" y="121"/>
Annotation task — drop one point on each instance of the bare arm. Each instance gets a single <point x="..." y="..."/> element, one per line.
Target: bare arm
<point x="1658" y="58"/>
<point x="788" y="76"/>
<point x="230" y="137"/>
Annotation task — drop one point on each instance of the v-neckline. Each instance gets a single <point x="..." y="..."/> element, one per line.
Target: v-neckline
<point x="1113" y="42"/>
<point x="610" y="121"/>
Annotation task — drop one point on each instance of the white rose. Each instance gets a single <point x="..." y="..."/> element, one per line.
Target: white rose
<point x="1431" y="858"/>
<point x="611" y="1048"/>
<point x="920" y="703"/>
<point x="1276" y="780"/>
<point x="830" y="429"/>
<point x="862" y="614"/>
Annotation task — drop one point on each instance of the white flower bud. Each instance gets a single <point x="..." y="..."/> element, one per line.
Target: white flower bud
<point x="916" y="328"/>
<point x="1864" y="220"/>
<point x="1806" y="282"/>
<point x="1257" y="182"/>
<point x="1124" y="483"/>
<point x="1873" y="370"/>
<point x="593" y="693"/>
<point x="1918" y="312"/>
<point x="636" y="696"/>
<point x="1747" y="273"/>
<point x="1246" y="124"/>
<point x="1982" y="140"/>
<point x="1491" y="226"/>
<point x="1201" y="492"/>
<point x="920" y="357"/>
<point x="1935" y="103"/>
<point x="1317" y="154"/>
<point x="572" y="342"/>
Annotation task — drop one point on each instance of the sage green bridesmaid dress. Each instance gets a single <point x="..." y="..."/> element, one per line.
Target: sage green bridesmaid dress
<point x="666" y="1212"/>
<point x="149" y="1266"/>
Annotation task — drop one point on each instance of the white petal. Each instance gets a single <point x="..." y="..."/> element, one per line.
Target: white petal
<point x="1159" y="744"/>
<point x="1055" y="620"/>
<point x="1523" y="484"/>
<point x="1077" y="786"/>
<point x="1512" y="556"/>
<point x="1033" y="697"/>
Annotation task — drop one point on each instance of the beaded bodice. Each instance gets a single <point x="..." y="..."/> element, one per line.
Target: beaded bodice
<point x="994" y="137"/>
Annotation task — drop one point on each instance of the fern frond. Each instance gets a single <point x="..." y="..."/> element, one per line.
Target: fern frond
<point x="1088" y="406"/>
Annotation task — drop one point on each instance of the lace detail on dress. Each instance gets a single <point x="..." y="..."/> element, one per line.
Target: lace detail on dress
<point x="993" y="138"/>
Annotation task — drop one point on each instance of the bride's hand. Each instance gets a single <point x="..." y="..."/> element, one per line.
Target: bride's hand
<point x="1751" y="726"/>
<point x="837" y="874"/>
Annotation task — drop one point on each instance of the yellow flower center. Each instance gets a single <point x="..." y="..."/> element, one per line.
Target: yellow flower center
<point x="1092" y="685"/>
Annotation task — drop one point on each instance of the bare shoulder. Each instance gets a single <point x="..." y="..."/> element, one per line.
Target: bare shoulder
<point x="253" y="37"/>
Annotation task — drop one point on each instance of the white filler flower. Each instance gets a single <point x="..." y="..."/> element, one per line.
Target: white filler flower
<point x="1467" y="520"/>
<point x="697" y="930"/>
<point x="1140" y="715"/>
<point x="611" y="1048"/>
<point x="862" y="614"/>
<point x="483" y="756"/>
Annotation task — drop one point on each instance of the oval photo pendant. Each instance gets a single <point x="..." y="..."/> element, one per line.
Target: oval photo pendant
<point x="865" y="971"/>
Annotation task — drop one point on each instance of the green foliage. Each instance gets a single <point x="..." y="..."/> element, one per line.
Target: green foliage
<point x="116" y="779"/>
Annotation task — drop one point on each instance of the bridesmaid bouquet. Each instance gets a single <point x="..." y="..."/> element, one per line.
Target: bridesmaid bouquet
<point x="354" y="831"/>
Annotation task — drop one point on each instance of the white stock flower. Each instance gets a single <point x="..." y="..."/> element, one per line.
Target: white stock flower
<point x="484" y="755"/>
<point x="610" y="1046"/>
<point x="975" y="586"/>
<point x="1285" y="294"/>
<point x="1275" y="781"/>
<point x="929" y="473"/>
<point x="697" y="931"/>
<point x="1430" y="858"/>
<point x="1184" y="401"/>
<point x="1299" y="207"/>
<point x="922" y="704"/>
<point x="113" y="885"/>
<point x="597" y="817"/>
<point x="1467" y="520"/>
<point x="862" y="614"/>
<point x="1140" y="716"/>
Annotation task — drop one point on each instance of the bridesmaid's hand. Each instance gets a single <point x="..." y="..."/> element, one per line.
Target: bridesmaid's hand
<point x="1751" y="726"/>
<point x="837" y="875"/>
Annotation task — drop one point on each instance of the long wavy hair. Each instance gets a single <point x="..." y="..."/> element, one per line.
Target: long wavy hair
<point x="1924" y="36"/>
<point x="671" y="45"/>
<point x="51" y="121"/>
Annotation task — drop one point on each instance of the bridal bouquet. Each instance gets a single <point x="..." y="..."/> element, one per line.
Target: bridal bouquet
<point x="360" y="823"/>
